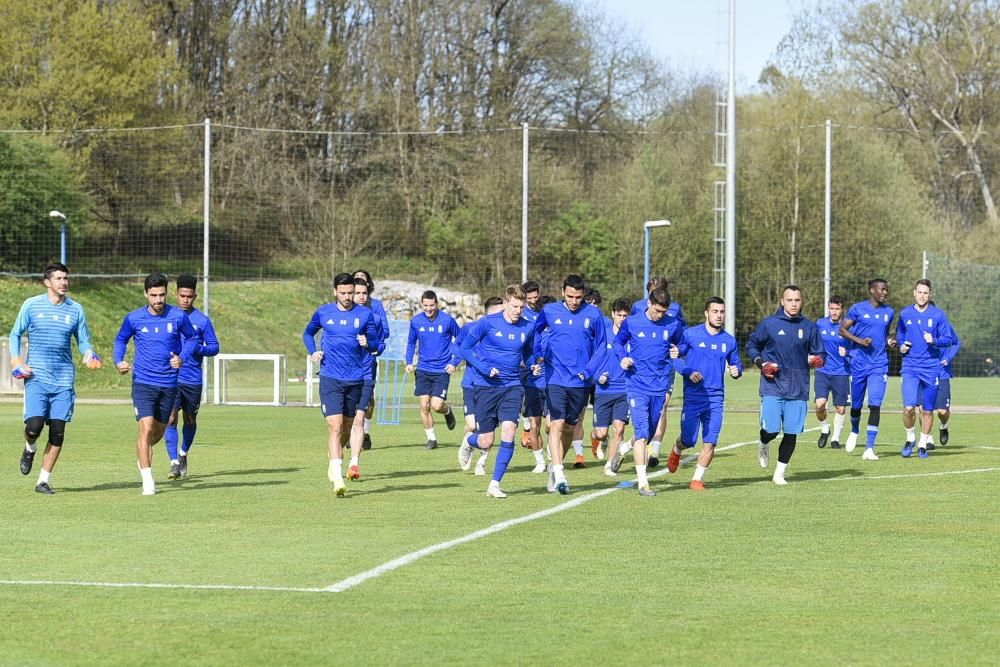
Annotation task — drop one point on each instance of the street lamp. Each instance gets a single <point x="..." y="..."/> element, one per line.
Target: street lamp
<point x="649" y="224"/>
<point x="62" y="236"/>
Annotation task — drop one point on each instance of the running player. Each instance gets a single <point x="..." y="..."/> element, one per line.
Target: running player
<point x="379" y="310"/>
<point x="833" y="378"/>
<point x="163" y="338"/>
<point x="534" y="411"/>
<point x="362" y="298"/>
<point x="434" y="331"/>
<point x="867" y="327"/>
<point x="610" y="399"/>
<point x="923" y="335"/>
<point x="189" y="380"/>
<point x="494" y="304"/>
<point x="51" y="321"/>
<point x="707" y="351"/>
<point x="943" y="405"/>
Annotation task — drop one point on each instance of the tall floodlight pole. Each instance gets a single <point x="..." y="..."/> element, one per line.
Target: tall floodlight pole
<point x="646" y="226"/>
<point x="731" y="178"/>
<point x="62" y="235"/>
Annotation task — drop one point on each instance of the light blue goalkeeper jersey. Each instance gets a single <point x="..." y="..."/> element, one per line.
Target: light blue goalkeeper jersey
<point x="50" y="327"/>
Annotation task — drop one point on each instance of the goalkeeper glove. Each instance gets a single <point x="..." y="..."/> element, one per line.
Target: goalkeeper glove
<point x="769" y="369"/>
<point x="91" y="360"/>
<point x="816" y="361"/>
<point x="19" y="369"/>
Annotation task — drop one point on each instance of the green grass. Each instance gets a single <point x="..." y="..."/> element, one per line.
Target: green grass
<point x="860" y="570"/>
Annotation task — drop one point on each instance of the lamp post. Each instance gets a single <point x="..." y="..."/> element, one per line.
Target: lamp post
<point x="62" y="235"/>
<point x="649" y="224"/>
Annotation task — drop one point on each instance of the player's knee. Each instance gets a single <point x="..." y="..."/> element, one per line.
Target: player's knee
<point x="874" y="414"/>
<point x="855" y="413"/>
<point x="33" y="427"/>
<point x="190" y="420"/>
<point x="789" y="439"/>
<point x="57" y="431"/>
<point x="766" y="437"/>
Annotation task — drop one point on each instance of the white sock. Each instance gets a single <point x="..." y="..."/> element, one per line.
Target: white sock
<point x="578" y="447"/>
<point x="779" y="470"/>
<point x="930" y="439"/>
<point x="354" y="460"/>
<point x="824" y="426"/>
<point x="641" y="472"/>
<point x="944" y="426"/>
<point x="911" y="435"/>
<point x="625" y="447"/>
<point x="654" y="446"/>
<point x="539" y="457"/>
<point x="838" y="426"/>
<point x="526" y="423"/>
<point x="30" y="448"/>
<point x="175" y="462"/>
<point x="43" y="476"/>
<point x="147" y="476"/>
<point x="368" y="425"/>
<point x="923" y="441"/>
<point x="557" y="470"/>
<point x="483" y="455"/>
<point x="699" y="472"/>
<point x="336" y="470"/>
<point x="429" y="432"/>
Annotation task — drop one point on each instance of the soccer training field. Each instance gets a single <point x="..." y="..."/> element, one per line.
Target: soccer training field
<point x="252" y="560"/>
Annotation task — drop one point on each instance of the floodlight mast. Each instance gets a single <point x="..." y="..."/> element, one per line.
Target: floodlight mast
<point x="646" y="226"/>
<point x="62" y="235"/>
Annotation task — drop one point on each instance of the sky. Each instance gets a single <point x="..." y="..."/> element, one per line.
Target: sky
<point x="690" y="34"/>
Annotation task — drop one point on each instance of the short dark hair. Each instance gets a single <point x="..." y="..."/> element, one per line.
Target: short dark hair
<point x="574" y="281"/>
<point x="530" y="286"/>
<point x="363" y="283"/>
<point x="593" y="296"/>
<point x="792" y="288"/>
<point x="660" y="296"/>
<point x="714" y="299"/>
<point x="874" y="281"/>
<point x="621" y="304"/>
<point x="923" y="281"/>
<point x="837" y="300"/>
<point x="547" y="299"/>
<point x="656" y="281"/>
<point x="493" y="301"/>
<point x="343" y="279"/>
<point x="429" y="294"/>
<point x="368" y="279"/>
<point x="187" y="281"/>
<point x="155" y="280"/>
<point x="52" y="268"/>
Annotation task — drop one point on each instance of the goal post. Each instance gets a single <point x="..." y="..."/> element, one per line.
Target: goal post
<point x="273" y="380"/>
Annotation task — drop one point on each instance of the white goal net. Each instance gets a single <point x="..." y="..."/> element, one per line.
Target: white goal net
<point x="249" y="379"/>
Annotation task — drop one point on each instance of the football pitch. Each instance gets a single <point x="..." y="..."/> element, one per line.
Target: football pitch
<point x="252" y="560"/>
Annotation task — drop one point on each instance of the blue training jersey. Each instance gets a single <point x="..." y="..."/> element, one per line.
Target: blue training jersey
<point x="156" y="339"/>
<point x="50" y="328"/>
<point x="207" y="345"/>
<point x="434" y="339"/>
<point x="674" y="310"/>
<point x="617" y="381"/>
<point x="948" y="355"/>
<point x="787" y="341"/>
<point x="923" y="358"/>
<point x="709" y="354"/>
<point x="343" y="356"/>
<point x="571" y="343"/>
<point x="870" y="322"/>
<point x="470" y="374"/>
<point x="493" y="342"/>
<point x="836" y="347"/>
<point x="648" y="344"/>
<point x="378" y="310"/>
<point x="527" y="379"/>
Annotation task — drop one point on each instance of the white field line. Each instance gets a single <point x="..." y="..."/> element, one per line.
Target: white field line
<point x="996" y="449"/>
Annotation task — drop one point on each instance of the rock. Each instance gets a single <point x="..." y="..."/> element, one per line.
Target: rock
<point x="401" y="299"/>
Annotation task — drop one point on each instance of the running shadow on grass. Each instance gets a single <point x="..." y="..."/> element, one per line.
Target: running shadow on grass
<point x="246" y="471"/>
<point x="163" y="486"/>
<point x="357" y="489"/>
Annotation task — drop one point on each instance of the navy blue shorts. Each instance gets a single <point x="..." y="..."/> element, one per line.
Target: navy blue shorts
<point x="534" y="402"/>
<point x="838" y="385"/>
<point x="609" y="408"/>
<point x="188" y="398"/>
<point x="565" y="403"/>
<point x="591" y="393"/>
<point x="468" y="400"/>
<point x="367" y="390"/>
<point x="338" y="397"/>
<point x="152" y="401"/>
<point x="431" y="384"/>
<point x="943" y="394"/>
<point x="495" y="405"/>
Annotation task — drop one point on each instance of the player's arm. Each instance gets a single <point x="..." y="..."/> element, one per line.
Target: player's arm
<point x="941" y="338"/>
<point x="845" y="329"/>
<point x="620" y="346"/>
<point x="948" y="354"/>
<point x="683" y="345"/>
<point x="210" y="342"/>
<point x="734" y="362"/>
<point x="383" y="320"/>
<point x="411" y="346"/>
<point x="125" y="333"/>
<point x="756" y="343"/>
<point x="371" y="335"/>
<point x="528" y="354"/>
<point x="817" y="351"/>
<point x="381" y="338"/>
<point x="454" y="359"/>
<point x="82" y="334"/>
<point x="680" y="318"/>
<point x="190" y="339"/>
<point x="470" y="341"/>
<point x="309" y="336"/>
<point x="596" y="362"/>
<point x="19" y="369"/>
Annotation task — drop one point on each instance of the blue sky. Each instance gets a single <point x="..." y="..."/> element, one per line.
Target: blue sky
<point x="687" y="33"/>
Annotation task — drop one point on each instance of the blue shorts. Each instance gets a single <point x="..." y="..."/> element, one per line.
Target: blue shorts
<point x="838" y="385"/>
<point x="188" y="398"/>
<point x="496" y="405"/>
<point x="706" y="415"/>
<point x="919" y="391"/>
<point x="609" y="408"/>
<point x="944" y="394"/>
<point x="367" y="391"/>
<point x="468" y="400"/>
<point x="431" y="384"/>
<point x="873" y="383"/>
<point x="150" y="400"/>
<point x="48" y="400"/>
<point x="785" y="415"/>
<point x="645" y="411"/>
<point x="534" y="402"/>
<point x="565" y="403"/>
<point x="591" y="393"/>
<point x="338" y="397"/>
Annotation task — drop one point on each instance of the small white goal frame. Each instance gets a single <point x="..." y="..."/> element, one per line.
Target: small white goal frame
<point x="219" y="372"/>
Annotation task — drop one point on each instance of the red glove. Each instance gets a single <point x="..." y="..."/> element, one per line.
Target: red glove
<point x="816" y="361"/>
<point x="769" y="369"/>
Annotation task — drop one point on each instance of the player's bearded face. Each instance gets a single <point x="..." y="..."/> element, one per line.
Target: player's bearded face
<point x="573" y="297"/>
<point x="345" y="296"/>
<point x="156" y="297"/>
<point x="58" y="282"/>
<point x="715" y="315"/>
<point x="836" y="310"/>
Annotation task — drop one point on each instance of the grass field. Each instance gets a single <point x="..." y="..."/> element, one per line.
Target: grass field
<point x="892" y="562"/>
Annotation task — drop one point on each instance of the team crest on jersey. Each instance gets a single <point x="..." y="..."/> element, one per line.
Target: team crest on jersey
<point x="357" y="322"/>
<point x="930" y="322"/>
<point x="800" y="334"/>
<point x="586" y="323"/>
<point x="67" y="319"/>
<point x="440" y="328"/>
<point x="724" y="347"/>
<point x="170" y="327"/>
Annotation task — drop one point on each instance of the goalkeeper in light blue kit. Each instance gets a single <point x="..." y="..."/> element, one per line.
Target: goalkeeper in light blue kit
<point x="709" y="354"/>
<point x="923" y="334"/>
<point x="867" y="327"/>
<point x="51" y="321"/>
<point x="189" y="380"/>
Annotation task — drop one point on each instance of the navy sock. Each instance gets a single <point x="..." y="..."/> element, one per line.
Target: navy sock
<point x="504" y="456"/>
<point x="170" y="438"/>
<point x="188" y="431"/>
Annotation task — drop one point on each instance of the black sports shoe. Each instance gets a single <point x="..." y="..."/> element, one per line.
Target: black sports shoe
<point x="175" y="471"/>
<point x="367" y="443"/>
<point x="930" y="446"/>
<point x="183" y="466"/>
<point x="943" y="436"/>
<point x="834" y="445"/>
<point x="27" y="458"/>
<point x="823" y="437"/>
<point x="431" y="444"/>
<point x="44" y="487"/>
<point x="653" y="462"/>
<point x="449" y="419"/>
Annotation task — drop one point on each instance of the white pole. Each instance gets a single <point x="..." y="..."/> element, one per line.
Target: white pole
<point x="924" y="264"/>
<point x="731" y="178"/>
<point x="204" y="251"/>
<point x="827" y="212"/>
<point x="524" y="202"/>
